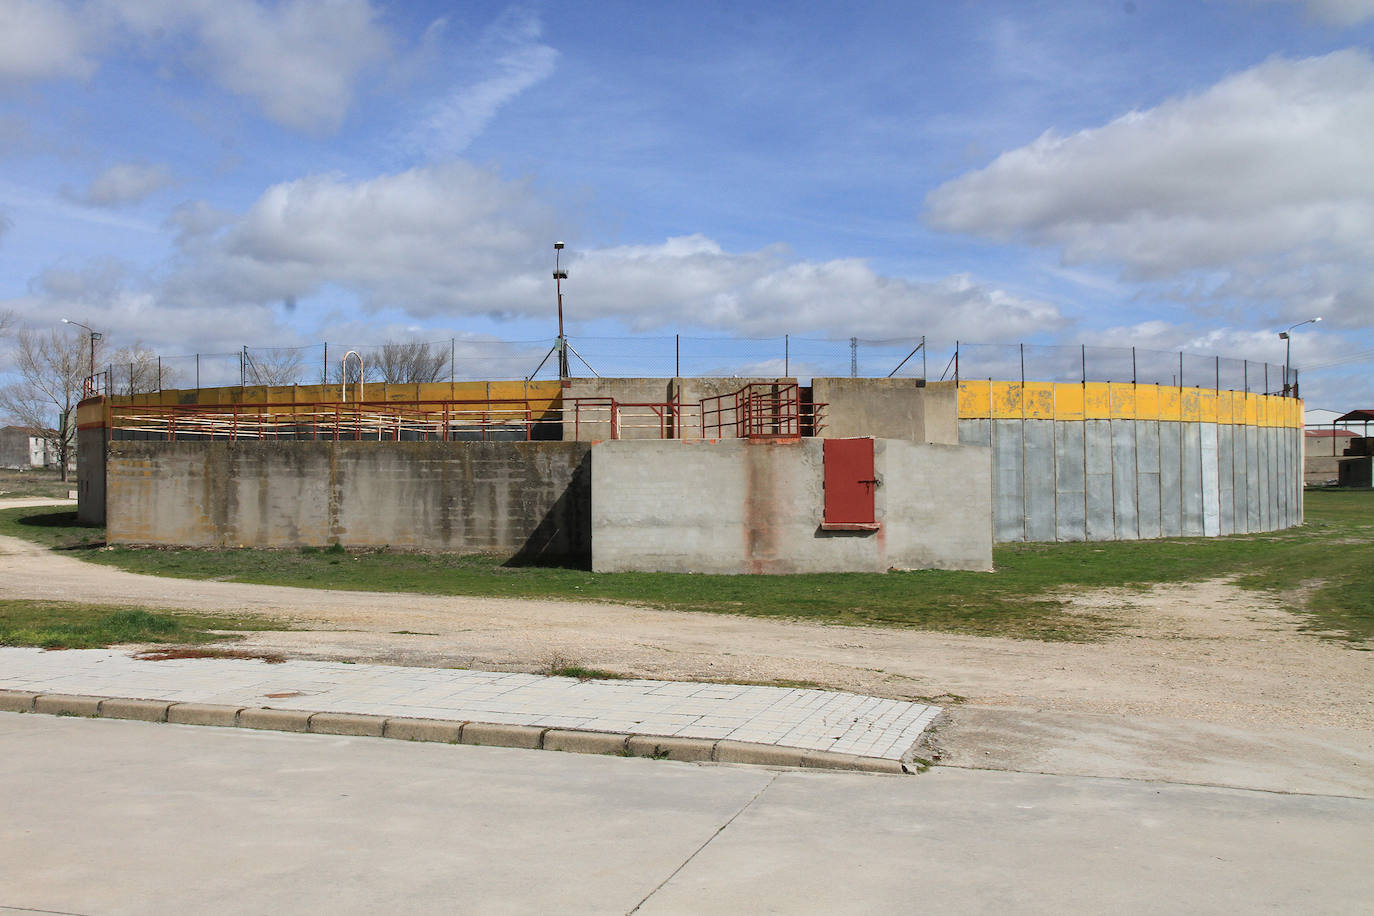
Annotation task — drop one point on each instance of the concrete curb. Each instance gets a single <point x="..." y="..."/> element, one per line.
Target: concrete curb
<point x="490" y="734"/>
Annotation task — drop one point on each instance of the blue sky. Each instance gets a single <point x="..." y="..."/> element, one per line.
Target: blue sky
<point x="197" y="175"/>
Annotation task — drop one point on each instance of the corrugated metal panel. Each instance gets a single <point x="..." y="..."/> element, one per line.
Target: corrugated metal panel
<point x="1170" y="473"/>
<point x="1070" y="522"/>
<point x="1190" y="479"/>
<point x="1124" y="480"/>
<point x="1039" y="480"/>
<point x="1211" y="495"/>
<point x="1147" y="478"/>
<point x="1097" y="460"/>
<point x="1008" y="505"/>
<point x="1253" y="482"/>
<point x="1226" y="478"/>
<point x="974" y="432"/>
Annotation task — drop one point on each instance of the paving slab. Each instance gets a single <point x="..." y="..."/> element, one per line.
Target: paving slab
<point x="781" y="726"/>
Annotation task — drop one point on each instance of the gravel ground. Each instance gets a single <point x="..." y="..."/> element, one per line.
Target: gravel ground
<point x="1226" y="671"/>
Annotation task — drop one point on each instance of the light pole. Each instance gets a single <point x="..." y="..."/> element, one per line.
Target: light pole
<point x="1287" y="338"/>
<point x="95" y="335"/>
<point x="559" y="275"/>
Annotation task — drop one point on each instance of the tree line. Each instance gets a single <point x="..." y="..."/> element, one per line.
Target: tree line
<point x="51" y="368"/>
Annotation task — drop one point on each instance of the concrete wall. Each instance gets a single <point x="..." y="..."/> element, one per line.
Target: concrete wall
<point x="14" y="448"/>
<point x="742" y="506"/>
<point x="529" y="500"/>
<point x="1105" y="479"/>
<point x="90" y="475"/>
<point x="890" y="408"/>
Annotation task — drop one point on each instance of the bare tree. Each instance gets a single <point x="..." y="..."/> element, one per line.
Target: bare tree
<point x="52" y="368"/>
<point x="411" y="361"/>
<point x="135" y="369"/>
<point x="274" y="366"/>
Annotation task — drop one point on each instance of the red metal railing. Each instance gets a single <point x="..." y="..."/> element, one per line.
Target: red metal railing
<point x="365" y="420"/>
<point x="755" y="411"/>
<point x="761" y="410"/>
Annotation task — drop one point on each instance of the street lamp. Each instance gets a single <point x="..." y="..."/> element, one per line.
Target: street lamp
<point x="1288" y="352"/>
<point x="95" y="335"/>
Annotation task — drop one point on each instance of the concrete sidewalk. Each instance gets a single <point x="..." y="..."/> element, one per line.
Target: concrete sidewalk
<point x="698" y="721"/>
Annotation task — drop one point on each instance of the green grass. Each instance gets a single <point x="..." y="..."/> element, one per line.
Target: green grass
<point x="68" y="625"/>
<point x="1322" y="569"/>
<point x="35" y="483"/>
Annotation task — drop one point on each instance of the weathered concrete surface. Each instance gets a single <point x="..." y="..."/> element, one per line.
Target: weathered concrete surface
<point x="527" y="499"/>
<point x="125" y="817"/>
<point x="888" y="408"/>
<point x="1126" y="479"/>
<point x="90" y="475"/>
<point x="756" y="507"/>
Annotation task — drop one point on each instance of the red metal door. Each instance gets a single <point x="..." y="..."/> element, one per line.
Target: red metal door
<point x="849" y="485"/>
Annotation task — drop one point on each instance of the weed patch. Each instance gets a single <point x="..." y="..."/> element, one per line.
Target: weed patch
<point x="68" y="625"/>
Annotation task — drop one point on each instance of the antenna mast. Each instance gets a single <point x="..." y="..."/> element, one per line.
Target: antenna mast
<point x="559" y="275"/>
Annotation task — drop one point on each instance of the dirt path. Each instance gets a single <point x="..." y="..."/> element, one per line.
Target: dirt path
<point x="1207" y="663"/>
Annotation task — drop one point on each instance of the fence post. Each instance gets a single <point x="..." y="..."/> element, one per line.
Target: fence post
<point x="786" y="356"/>
<point x="677" y="356"/>
<point x="1218" y="383"/>
<point x="853" y="357"/>
<point x="324" y="376"/>
<point x="131" y="379"/>
<point x="1021" y="349"/>
<point x="1245" y="375"/>
<point x="1180" y="368"/>
<point x="1083" y="361"/>
<point x="924" y="376"/>
<point x="159" y="375"/>
<point x="1133" y="373"/>
<point x="197" y="375"/>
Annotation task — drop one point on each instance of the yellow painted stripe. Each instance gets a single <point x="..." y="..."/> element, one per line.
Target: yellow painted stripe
<point x="1122" y="401"/>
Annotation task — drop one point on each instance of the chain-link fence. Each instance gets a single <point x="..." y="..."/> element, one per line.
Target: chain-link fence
<point x="490" y="359"/>
<point x="1041" y="363"/>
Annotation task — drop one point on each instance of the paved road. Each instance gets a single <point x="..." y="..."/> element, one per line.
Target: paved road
<point x="107" y="817"/>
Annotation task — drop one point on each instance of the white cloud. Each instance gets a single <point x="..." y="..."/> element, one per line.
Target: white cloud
<point x="126" y="306"/>
<point x="125" y="183"/>
<point x="455" y="240"/>
<point x="446" y="238"/>
<point x="1259" y="188"/>
<point x="298" y="59"/>
<point x="692" y="280"/>
<point x="1334" y="12"/>
<point x="43" y="40"/>
<point x="521" y="61"/>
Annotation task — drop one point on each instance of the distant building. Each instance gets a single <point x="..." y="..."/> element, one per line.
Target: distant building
<point x="20" y="449"/>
